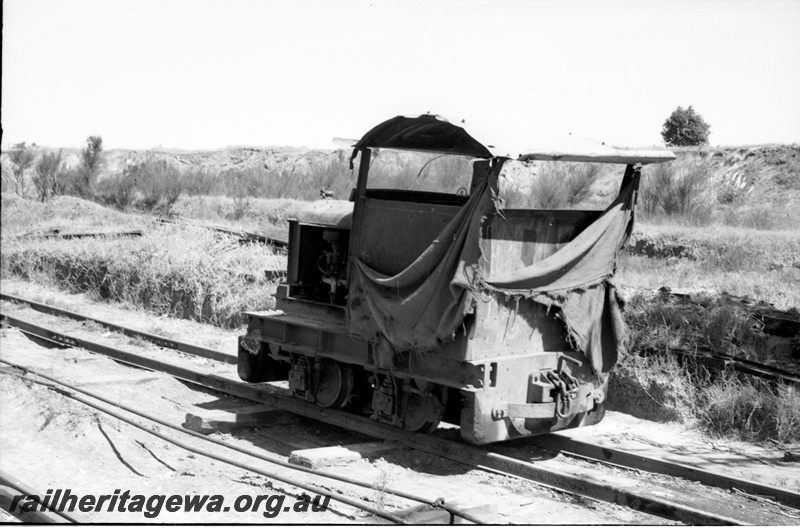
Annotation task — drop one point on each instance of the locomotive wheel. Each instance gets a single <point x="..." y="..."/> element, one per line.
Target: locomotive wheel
<point x="422" y="414"/>
<point x="335" y="383"/>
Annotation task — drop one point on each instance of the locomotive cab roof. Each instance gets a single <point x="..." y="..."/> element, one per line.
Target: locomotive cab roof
<point x="436" y="134"/>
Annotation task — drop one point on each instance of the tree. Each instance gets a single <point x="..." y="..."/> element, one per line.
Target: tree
<point x="685" y="128"/>
<point x="48" y="179"/>
<point x="21" y="157"/>
<point x="91" y="161"/>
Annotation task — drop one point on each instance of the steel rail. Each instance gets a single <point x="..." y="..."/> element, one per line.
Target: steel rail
<point x="158" y="340"/>
<point x="458" y="452"/>
<point x="743" y="365"/>
<point x="68" y="236"/>
<point x="8" y="496"/>
<point x="439" y="503"/>
<point x="56" y="233"/>
<point x="308" y="487"/>
<point x="723" y="361"/>
<point x="719" y="361"/>
<point x="782" y="323"/>
<point x="9" y="500"/>
<point x="626" y="459"/>
<point x="277" y="239"/>
<point x="9" y="483"/>
<point x="554" y="442"/>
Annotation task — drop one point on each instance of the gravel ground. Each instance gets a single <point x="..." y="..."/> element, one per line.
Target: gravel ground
<point x="50" y="442"/>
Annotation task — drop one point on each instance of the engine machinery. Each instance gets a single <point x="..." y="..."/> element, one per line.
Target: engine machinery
<point x="417" y="306"/>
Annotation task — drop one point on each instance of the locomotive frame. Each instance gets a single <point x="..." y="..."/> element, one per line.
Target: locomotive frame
<point x="509" y="370"/>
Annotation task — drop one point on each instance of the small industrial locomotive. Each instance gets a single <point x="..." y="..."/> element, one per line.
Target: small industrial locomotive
<point x="439" y="294"/>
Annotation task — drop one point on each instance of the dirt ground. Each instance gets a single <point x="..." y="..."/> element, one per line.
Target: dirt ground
<point x="49" y="441"/>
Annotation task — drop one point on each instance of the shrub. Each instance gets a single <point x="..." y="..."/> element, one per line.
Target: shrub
<point x="788" y="179"/>
<point x="158" y="184"/>
<point x="547" y="192"/>
<point x="329" y="175"/>
<point x="117" y="190"/>
<point x="47" y="178"/>
<point x="90" y="163"/>
<point x="684" y="128"/>
<point x="648" y="202"/>
<point x="73" y="182"/>
<point x="239" y="186"/>
<point x="152" y="185"/>
<point x="579" y="182"/>
<point x="200" y="182"/>
<point x="677" y="189"/>
<point x="21" y="158"/>
<point x="562" y="185"/>
<point x="683" y="185"/>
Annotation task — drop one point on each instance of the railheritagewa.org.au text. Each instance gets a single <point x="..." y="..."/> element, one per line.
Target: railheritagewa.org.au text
<point x="153" y="505"/>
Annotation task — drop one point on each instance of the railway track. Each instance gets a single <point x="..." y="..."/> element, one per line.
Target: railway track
<point x="459" y="452"/>
<point x="707" y="357"/>
<point x="77" y="394"/>
<point x="719" y="361"/>
<point x="275" y="237"/>
<point x="586" y="485"/>
<point x="157" y="340"/>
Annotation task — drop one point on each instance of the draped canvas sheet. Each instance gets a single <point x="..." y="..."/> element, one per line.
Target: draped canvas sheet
<point x="424" y="304"/>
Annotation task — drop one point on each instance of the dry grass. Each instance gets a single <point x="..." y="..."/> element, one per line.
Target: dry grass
<point x="780" y="287"/>
<point x="184" y="271"/>
<point x="716" y="324"/>
<point x="251" y="214"/>
<point x="757" y="409"/>
<point x="52" y="300"/>
<point x="659" y="387"/>
<point x="653" y="383"/>
<point x="760" y="265"/>
<point x="652" y="387"/>
<point x="20" y="215"/>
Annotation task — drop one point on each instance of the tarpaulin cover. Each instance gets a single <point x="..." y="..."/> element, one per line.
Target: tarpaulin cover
<point x="425" y="303"/>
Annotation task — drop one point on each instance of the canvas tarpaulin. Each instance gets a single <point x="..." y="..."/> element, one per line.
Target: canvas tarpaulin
<point x="425" y="303"/>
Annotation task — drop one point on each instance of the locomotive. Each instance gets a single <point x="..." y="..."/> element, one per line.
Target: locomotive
<point x="442" y="296"/>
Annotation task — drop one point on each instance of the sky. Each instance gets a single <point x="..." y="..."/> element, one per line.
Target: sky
<point x="204" y="74"/>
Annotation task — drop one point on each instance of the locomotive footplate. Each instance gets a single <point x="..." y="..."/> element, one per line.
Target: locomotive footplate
<point x="279" y="335"/>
